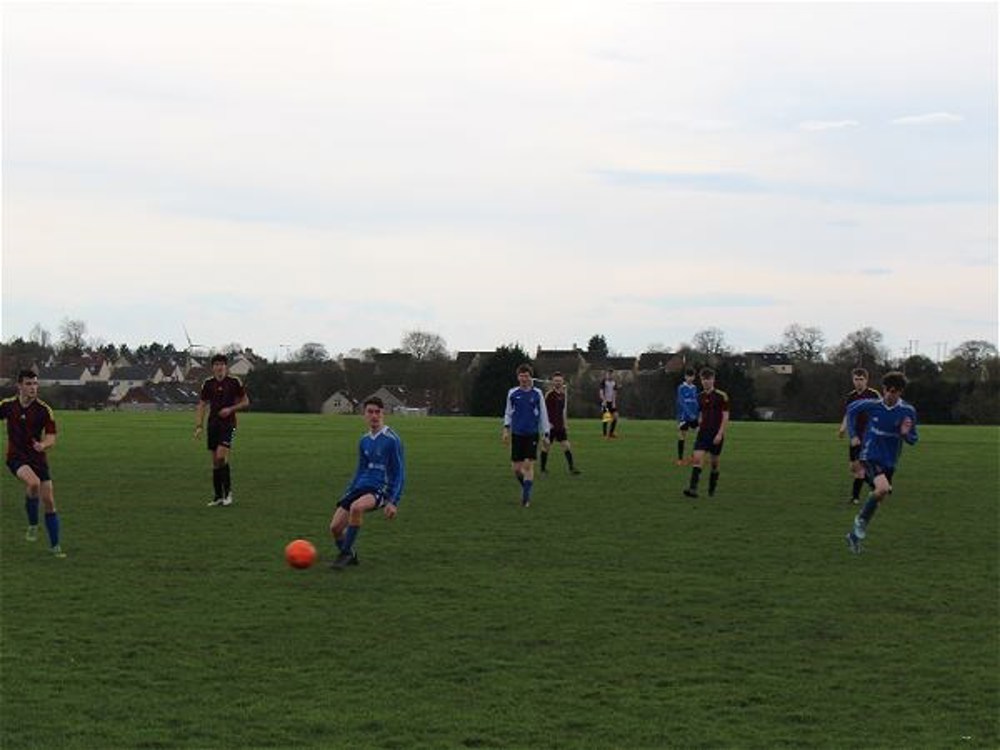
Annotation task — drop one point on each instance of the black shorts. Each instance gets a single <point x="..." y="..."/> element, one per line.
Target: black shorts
<point x="609" y="407"/>
<point x="687" y="424"/>
<point x="41" y="469"/>
<point x="706" y="442"/>
<point x="523" y="447"/>
<point x="873" y="470"/>
<point x="558" y="435"/>
<point x="853" y="453"/>
<point x="351" y="495"/>
<point x="220" y="434"/>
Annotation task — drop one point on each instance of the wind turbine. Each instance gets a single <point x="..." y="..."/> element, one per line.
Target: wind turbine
<point x="192" y="349"/>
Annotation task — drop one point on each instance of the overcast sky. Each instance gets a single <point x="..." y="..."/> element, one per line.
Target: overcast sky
<point x="534" y="172"/>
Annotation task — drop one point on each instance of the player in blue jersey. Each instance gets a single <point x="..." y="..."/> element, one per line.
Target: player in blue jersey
<point x="524" y="418"/>
<point x="31" y="432"/>
<point x="686" y="411"/>
<point x="890" y="422"/>
<point x="377" y="483"/>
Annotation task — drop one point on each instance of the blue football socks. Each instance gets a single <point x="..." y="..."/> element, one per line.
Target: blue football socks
<point x="870" y="506"/>
<point x="52" y="526"/>
<point x="349" y="536"/>
<point x="31" y="508"/>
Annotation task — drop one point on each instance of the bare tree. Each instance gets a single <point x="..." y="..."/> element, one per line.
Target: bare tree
<point x="711" y="341"/>
<point x="861" y="348"/>
<point x="974" y="352"/>
<point x="803" y="343"/>
<point x="40" y="336"/>
<point x="424" y="345"/>
<point x="72" y="335"/>
<point x="311" y="351"/>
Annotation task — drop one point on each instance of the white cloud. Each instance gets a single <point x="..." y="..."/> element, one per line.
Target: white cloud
<point x="813" y="125"/>
<point x="931" y="118"/>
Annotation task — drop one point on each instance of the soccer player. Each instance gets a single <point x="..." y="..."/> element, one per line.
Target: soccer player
<point x="713" y="418"/>
<point x="31" y="431"/>
<point x="224" y="395"/>
<point x="686" y="410"/>
<point x="607" y="392"/>
<point x="524" y="417"/>
<point x="891" y="422"/>
<point x="377" y="483"/>
<point x="859" y="376"/>
<point x="556" y="409"/>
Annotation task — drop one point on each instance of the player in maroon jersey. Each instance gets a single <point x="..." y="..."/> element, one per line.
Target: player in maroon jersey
<point x="713" y="418"/>
<point x="555" y="405"/>
<point x="31" y="431"/>
<point x="859" y="376"/>
<point x="224" y="395"/>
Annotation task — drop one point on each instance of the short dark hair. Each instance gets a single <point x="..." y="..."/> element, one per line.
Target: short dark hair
<point x="525" y="368"/>
<point x="689" y="372"/>
<point x="707" y="372"/>
<point x="895" y="380"/>
<point x="861" y="372"/>
<point x="557" y="373"/>
<point x="23" y="375"/>
<point x="220" y="358"/>
<point x="374" y="401"/>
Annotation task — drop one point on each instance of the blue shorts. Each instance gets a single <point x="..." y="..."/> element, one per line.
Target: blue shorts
<point x="706" y="442"/>
<point x="41" y="469"/>
<point x="351" y="495"/>
<point x="220" y="434"/>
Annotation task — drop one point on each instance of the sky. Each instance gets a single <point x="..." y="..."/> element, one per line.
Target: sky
<point x="276" y="173"/>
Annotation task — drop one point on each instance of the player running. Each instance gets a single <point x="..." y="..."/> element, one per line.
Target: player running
<point x="31" y="432"/>
<point x="891" y="422"/>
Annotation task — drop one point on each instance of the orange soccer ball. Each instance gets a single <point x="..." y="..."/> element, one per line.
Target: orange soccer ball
<point x="300" y="553"/>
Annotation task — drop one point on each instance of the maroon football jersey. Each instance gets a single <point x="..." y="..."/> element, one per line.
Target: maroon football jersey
<point x="713" y="404"/>
<point x="222" y="393"/>
<point x="25" y="424"/>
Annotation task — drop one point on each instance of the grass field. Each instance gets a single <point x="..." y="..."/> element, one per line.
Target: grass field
<point x="614" y="613"/>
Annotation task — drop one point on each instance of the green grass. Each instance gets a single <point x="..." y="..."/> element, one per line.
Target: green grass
<point x="613" y="613"/>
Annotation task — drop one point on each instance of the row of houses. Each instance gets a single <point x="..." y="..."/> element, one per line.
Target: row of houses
<point x="172" y="384"/>
<point x="123" y="376"/>
<point x="574" y="364"/>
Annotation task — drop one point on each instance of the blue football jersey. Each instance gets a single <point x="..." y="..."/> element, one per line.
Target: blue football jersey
<point x="882" y="442"/>
<point x="380" y="465"/>
<point x="525" y="413"/>
<point x="687" y="402"/>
